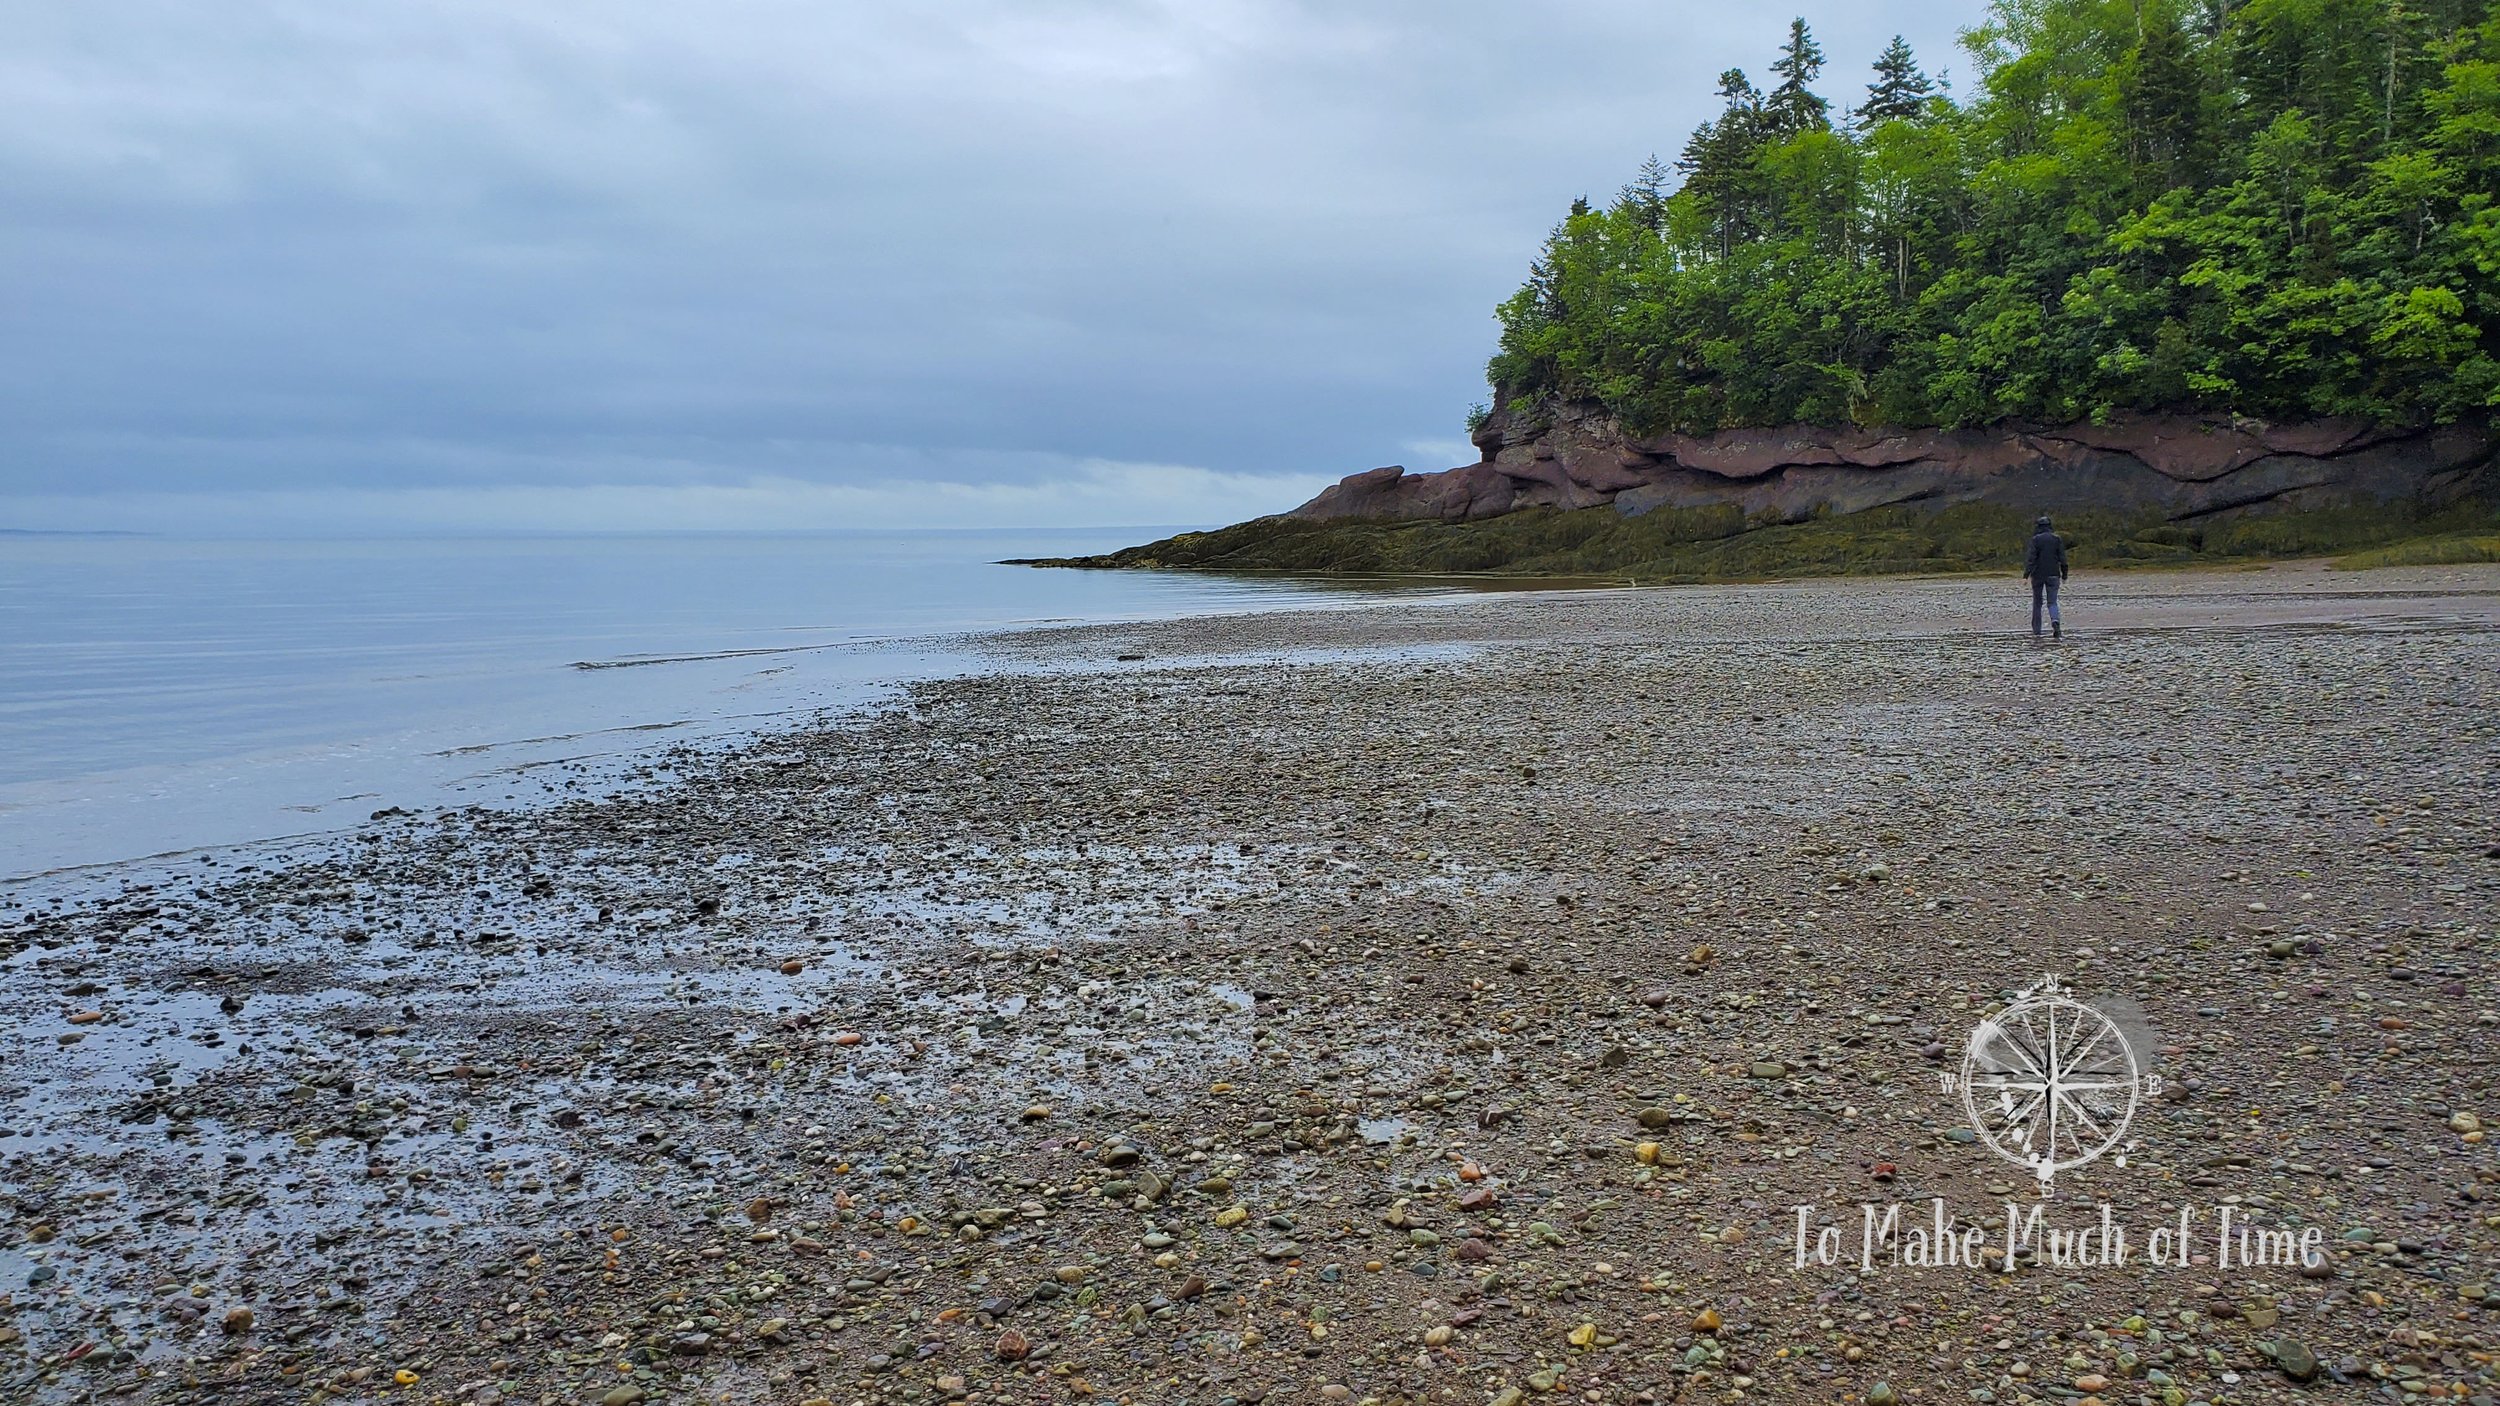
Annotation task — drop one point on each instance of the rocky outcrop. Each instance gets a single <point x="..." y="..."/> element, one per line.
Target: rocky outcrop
<point x="2180" y="466"/>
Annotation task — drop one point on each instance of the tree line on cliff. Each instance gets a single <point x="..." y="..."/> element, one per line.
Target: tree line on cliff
<point x="2277" y="208"/>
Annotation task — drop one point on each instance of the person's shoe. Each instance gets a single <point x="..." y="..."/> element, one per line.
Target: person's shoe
<point x="2057" y="630"/>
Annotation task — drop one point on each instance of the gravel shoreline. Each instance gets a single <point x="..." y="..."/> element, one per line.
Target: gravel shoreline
<point x="1439" y="1001"/>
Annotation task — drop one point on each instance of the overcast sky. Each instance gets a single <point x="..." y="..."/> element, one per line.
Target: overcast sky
<point x="644" y="263"/>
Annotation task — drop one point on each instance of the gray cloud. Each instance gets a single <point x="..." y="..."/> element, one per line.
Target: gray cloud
<point x="289" y="247"/>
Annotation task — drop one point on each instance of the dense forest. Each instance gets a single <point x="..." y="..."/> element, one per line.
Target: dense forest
<point x="2275" y="208"/>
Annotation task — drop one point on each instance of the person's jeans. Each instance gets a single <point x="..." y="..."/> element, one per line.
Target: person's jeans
<point x="2044" y="592"/>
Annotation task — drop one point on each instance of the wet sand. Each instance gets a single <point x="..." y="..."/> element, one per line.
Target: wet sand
<point x="1439" y="1001"/>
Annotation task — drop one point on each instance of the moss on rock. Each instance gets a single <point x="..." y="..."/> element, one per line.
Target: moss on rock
<point x="1719" y="543"/>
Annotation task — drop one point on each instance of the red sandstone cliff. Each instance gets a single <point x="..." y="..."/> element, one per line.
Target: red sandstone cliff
<point x="1577" y="456"/>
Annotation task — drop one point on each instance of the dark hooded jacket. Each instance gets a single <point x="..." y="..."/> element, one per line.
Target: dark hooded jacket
<point x="2046" y="561"/>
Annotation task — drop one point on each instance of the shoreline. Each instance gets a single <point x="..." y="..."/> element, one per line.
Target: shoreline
<point x="926" y="1052"/>
<point x="434" y="670"/>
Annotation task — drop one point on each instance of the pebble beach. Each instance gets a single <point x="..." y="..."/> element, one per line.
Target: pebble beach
<point x="1488" y="999"/>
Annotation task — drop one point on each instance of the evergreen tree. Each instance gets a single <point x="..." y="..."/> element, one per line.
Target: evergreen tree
<point x="1718" y="162"/>
<point x="1793" y="106"/>
<point x="1737" y="129"/>
<point x="1646" y="195"/>
<point x="2164" y="96"/>
<point x="1899" y="91"/>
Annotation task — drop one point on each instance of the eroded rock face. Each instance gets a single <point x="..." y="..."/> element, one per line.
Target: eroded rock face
<point x="1577" y="456"/>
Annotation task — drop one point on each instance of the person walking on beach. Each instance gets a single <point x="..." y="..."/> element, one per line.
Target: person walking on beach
<point x="2044" y="565"/>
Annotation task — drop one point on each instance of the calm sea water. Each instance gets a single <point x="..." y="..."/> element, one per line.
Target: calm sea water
<point x="161" y="694"/>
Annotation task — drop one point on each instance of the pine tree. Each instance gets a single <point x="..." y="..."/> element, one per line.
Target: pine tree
<point x="2163" y="98"/>
<point x="1900" y="90"/>
<point x="1732" y="138"/>
<point x="1646" y="196"/>
<point x="1743" y="117"/>
<point x="1793" y="106"/>
<point x="1545" y="283"/>
<point x="1718" y="162"/>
